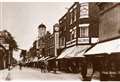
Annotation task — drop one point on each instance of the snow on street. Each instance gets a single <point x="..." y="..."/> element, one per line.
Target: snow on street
<point x="35" y="74"/>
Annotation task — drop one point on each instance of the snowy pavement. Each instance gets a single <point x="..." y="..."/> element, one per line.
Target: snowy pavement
<point x="35" y="74"/>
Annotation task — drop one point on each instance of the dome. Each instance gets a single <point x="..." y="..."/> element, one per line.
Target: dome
<point x="56" y="25"/>
<point x="41" y="26"/>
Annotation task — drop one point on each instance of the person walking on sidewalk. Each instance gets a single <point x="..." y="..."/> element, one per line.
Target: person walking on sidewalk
<point x="84" y="71"/>
<point x="20" y="66"/>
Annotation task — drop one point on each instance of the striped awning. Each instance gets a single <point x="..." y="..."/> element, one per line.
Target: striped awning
<point x="75" y="51"/>
<point x="52" y="58"/>
<point x="108" y="47"/>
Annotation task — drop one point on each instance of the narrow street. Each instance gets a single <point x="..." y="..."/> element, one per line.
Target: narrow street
<point x="35" y="74"/>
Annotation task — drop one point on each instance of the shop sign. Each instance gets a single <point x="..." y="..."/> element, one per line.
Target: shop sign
<point x="83" y="40"/>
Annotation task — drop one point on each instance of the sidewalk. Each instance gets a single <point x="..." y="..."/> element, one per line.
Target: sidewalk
<point x="3" y="74"/>
<point x="96" y="77"/>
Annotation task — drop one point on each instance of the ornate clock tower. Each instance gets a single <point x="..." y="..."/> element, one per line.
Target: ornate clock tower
<point x="56" y="37"/>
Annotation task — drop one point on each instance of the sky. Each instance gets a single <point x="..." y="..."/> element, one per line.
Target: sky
<point x="22" y="19"/>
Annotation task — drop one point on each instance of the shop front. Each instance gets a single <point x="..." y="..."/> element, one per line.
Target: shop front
<point x="72" y="58"/>
<point x="105" y="57"/>
<point x="52" y="64"/>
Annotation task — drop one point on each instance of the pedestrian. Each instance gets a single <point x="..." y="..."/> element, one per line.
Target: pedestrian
<point x="20" y="66"/>
<point x="84" y="71"/>
<point x="46" y="66"/>
<point x="42" y="67"/>
<point x="9" y="67"/>
<point x="55" y="67"/>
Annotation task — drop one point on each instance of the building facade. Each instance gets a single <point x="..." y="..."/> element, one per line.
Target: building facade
<point x="79" y="25"/>
<point x="41" y="40"/>
<point x="105" y="55"/>
<point x="52" y="45"/>
<point x="109" y="19"/>
<point x="78" y="31"/>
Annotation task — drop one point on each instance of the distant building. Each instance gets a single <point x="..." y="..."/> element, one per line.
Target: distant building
<point x="41" y="40"/>
<point x="53" y="41"/>
<point x="41" y="30"/>
<point x="52" y="46"/>
<point x="47" y="44"/>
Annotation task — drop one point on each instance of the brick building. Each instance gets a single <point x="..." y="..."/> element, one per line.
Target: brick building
<point x="78" y="30"/>
<point x="41" y="40"/>
<point x="105" y="55"/>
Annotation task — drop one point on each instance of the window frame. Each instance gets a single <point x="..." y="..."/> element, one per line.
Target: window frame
<point x="84" y="10"/>
<point x="86" y="30"/>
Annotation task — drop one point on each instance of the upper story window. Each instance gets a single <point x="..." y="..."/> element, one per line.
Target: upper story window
<point x="71" y="18"/>
<point x="84" y="30"/>
<point x="84" y="10"/>
<point x="75" y="14"/>
<point x="62" y="41"/>
<point x="73" y="33"/>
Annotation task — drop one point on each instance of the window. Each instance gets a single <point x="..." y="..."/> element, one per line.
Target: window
<point x="62" y="41"/>
<point x="84" y="30"/>
<point x="73" y="33"/>
<point x="84" y="10"/>
<point x="71" y="18"/>
<point x="75" y="14"/>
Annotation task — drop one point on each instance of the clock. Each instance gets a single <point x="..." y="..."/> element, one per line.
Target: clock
<point x="56" y="28"/>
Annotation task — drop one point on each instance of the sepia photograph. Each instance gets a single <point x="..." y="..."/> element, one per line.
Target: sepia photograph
<point x="60" y="41"/>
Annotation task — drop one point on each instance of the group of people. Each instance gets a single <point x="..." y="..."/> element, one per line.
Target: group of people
<point x="44" y="66"/>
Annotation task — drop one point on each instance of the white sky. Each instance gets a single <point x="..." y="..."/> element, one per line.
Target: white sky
<point x="23" y="18"/>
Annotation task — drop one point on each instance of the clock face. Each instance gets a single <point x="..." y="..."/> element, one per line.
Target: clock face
<point x="56" y="28"/>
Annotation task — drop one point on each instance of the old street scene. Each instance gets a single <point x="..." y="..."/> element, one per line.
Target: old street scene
<point x="60" y="41"/>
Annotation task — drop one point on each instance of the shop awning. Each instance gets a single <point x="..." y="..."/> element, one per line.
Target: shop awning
<point x="43" y="58"/>
<point x="108" y="47"/>
<point x="51" y="58"/>
<point x="65" y="52"/>
<point x="35" y="59"/>
<point x="75" y="51"/>
<point x="46" y="58"/>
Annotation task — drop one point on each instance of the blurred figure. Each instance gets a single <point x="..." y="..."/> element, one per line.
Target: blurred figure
<point x="20" y="66"/>
<point x="84" y="71"/>
<point x="42" y="67"/>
